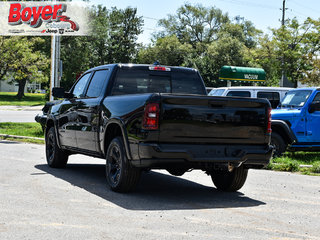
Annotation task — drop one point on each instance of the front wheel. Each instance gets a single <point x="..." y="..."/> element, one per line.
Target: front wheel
<point x="56" y="157"/>
<point x="230" y="181"/>
<point x="121" y="175"/>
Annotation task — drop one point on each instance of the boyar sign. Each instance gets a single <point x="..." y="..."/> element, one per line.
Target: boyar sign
<point x="43" y="18"/>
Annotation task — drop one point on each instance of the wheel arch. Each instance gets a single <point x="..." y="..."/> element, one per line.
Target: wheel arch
<point x="51" y="122"/>
<point x="115" y="128"/>
<point x="282" y="128"/>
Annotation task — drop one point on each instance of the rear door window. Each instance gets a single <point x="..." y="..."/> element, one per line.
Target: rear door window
<point x="239" y="94"/>
<point x="273" y="97"/>
<point x="97" y="83"/>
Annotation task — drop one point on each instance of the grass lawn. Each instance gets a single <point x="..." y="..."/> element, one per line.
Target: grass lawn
<point x="30" y="99"/>
<point x="291" y="162"/>
<point x="21" y="129"/>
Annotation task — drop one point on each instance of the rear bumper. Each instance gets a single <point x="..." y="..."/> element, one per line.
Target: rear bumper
<point x="160" y="155"/>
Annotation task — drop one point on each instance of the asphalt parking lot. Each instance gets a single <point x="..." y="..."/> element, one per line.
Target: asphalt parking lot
<point x="38" y="202"/>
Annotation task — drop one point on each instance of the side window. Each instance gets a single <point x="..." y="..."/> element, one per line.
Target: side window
<point x="79" y="88"/>
<point x="239" y="94"/>
<point x="96" y="84"/>
<point x="273" y="97"/>
<point x="316" y="98"/>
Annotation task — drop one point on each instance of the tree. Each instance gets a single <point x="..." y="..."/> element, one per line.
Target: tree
<point x="202" y="38"/>
<point x="265" y="55"/>
<point x="297" y="44"/>
<point x="167" y="50"/>
<point x="23" y="62"/>
<point x="193" y="24"/>
<point x="113" y="39"/>
<point x="225" y="51"/>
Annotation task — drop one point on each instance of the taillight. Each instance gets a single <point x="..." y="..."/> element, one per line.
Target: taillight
<point x="269" y="130"/>
<point x="151" y="117"/>
<point x="159" y="68"/>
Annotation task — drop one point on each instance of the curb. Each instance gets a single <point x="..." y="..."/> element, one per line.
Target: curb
<point x="301" y="166"/>
<point x="21" y="137"/>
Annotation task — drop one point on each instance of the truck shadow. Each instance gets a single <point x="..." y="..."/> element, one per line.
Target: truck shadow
<point x="156" y="191"/>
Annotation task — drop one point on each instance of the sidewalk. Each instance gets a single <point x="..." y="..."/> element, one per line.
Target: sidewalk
<point x="21" y="108"/>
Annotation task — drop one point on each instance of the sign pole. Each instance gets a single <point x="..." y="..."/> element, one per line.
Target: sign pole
<point x="53" y="67"/>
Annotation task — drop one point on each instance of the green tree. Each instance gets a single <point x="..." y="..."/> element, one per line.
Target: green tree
<point x="113" y="39"/>
<point x="225" y="51"/>
<point x="265" y="55"/>
<point x="203" y="38"/>
<point x="23" y="62"/>
<point x="297" y="44"/>
<point x="167" y="50"/>
<point x="194" y="23"/>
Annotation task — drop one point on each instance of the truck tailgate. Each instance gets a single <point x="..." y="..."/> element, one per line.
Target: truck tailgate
<point x="206" y="119"/>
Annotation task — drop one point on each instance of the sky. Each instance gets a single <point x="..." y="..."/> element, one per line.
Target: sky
<point x="263" y="14"/>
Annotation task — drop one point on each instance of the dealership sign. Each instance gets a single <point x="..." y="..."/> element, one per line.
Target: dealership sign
<point x="43" y="18"/>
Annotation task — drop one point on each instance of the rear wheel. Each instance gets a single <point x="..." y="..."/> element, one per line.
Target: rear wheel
<point x="56" y="157"/>
<point x="121" y="175"/>
<point x="278" y="143"/>
<point x="230" y="181"/>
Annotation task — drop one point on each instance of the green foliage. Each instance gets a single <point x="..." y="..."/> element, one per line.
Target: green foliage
<point x="316" y="167"/>
<point x="291" y="162"/>
<point x="21" y="129"/>
<point x="22" y="62"/>
<point x="167" y="50"/>
<point x="298" y="45"/>
<point x="29" y="99"/>
<point x="194" y="23"/>
<point x="202" y="38"/>
<point x="113" y="39"/>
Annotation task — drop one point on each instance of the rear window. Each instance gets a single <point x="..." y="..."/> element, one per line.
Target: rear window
<point x="239" y="94"/>
<point x="133" y="81"/>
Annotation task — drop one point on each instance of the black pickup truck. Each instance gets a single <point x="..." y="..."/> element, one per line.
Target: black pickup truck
<point x="142" y="117"/>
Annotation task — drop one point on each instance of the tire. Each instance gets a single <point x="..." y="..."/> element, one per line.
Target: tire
<point x="230" y="181"/>
<point x="56" y="157"/>
<point x="278" y="143"/>
<point x="121" y="175"/>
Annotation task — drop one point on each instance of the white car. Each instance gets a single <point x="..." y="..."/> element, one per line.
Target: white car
<point x="273" y="94"/>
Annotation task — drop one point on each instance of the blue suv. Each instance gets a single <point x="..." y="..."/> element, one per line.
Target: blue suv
<point x="296" y="122"/>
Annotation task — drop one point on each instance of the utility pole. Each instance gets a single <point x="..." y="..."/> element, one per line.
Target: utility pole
<point x="283" y="77"/>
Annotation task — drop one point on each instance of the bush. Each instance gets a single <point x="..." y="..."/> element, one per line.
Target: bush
<point x="316" y="167"/>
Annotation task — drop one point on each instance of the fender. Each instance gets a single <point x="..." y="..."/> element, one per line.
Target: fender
<point x="284" y="130"/>
<point x="121" y="124"/>
<point x="55" y="125"/>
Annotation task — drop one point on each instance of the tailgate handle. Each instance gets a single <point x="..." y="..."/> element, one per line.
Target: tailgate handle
<point x="217" y="103"/>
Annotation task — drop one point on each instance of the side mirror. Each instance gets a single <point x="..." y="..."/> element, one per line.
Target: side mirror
<point x="315" y="106"/>
<point x="59" y="92"/>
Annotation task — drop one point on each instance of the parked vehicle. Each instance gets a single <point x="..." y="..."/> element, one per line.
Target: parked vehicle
<point x="209" y="89"/>
<point x="142" y="117"/>
<point x="273" y="94"/>
<point x="295" y="124"/>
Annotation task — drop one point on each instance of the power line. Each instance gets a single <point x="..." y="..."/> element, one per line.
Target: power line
<point x="150" y="18"/>
<point x="249" y="4"/>
<point x="299" y="13"/>
<point x="303" y="6"/>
